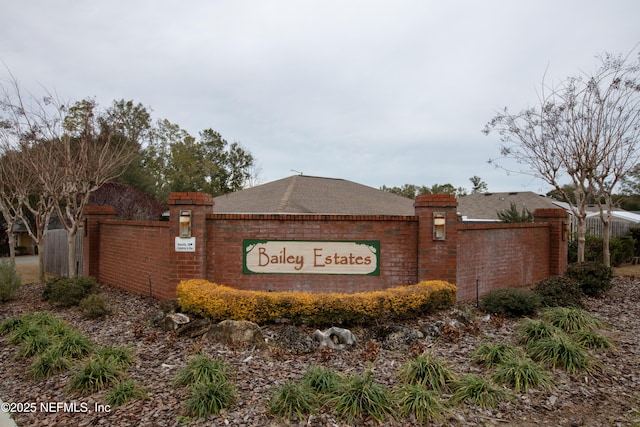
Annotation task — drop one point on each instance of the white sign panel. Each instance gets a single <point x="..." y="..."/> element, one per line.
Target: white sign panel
<point x="311" y="257"/>
<point x="185" y="244"/>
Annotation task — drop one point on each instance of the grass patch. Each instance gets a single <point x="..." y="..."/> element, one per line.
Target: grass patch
<point x="560" y="351"/>
<point x="95" y="374"/>
<point x="320" y="380"/>
<point x="209" y="398"/>
<point x="199" y="369"/>
<point x="530" y="331"/>
<point x="571" y="319"/>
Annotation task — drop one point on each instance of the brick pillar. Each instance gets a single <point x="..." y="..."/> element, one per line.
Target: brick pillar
<point x="93" y="216"/>
<point x="437" y="259"/>
<point x="187" y="264"/>
<point x="558" y="220"/>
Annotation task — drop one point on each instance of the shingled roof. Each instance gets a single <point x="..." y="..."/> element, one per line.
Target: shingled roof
<point x="302" y="194"/>
<point x="485" y="206"/>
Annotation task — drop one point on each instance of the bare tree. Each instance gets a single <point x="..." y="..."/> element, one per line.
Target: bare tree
<point x="90" y="152"/>
<point x="29" y="126"/>
<point x="583" y="130"/>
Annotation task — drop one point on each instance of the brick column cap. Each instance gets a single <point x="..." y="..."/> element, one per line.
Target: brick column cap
<point x="436" y="200"/>
<point x="190" y="198"/>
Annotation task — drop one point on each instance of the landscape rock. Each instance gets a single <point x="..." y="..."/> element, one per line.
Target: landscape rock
<point x="195" y="328"/>
<point x="173" y="321"/>
<point x="398" y="337"/>
<point x="335" y="338"/>
<point x="233" y="332"/>
<point x="294" y="340"/>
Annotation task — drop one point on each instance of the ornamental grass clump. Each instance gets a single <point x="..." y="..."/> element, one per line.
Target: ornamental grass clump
<point x="124" y="391"/>
<point x="560" y="351"/>
<point x="530" y="331"/>
<point x="94" y="374"/>
<point x="571" y="319"/>
<point x="200" y="368"/>
<point x="478" y="391"/>
<point x="358" y="396"/>
<point x="521" y="373"/>
<point x="292" y="399"/>
<point x="492" y="354"/>
<point x="321" y="380"/>
<point x="428" y="371"/>
<point x="415" y="400"/>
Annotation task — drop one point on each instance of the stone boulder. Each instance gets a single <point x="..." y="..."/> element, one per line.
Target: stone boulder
<point x="294" y="340"/>
<point x="335" y="338"/>
<point x="174" y="321"/>
<point x="195" y="328"/>
<point x="237" y="332"/>
<point x="397" y="337"/>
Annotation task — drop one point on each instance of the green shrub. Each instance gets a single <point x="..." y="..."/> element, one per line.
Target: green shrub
<point x="292" y="399"/>
<point x="622" y="249"/>
<point x="559" y="291"/>
<point x="9" y="280"/>
<point x="124" y="391"/>
<point x="511" y="302"/>
<point x="358" y="396"/>
<point x="521" y="374"/>
<point x="68" y="292"/>
<point x="593" y="277"/>
<point x="427" y="371"/>
<point x="478" y="391"/>
<point x="423" y="404"/>
<point x="592" y="249"/>
<point x="93" y="306"/>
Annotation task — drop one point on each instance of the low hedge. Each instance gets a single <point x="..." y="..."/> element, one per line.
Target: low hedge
<point x="220" y="302"/>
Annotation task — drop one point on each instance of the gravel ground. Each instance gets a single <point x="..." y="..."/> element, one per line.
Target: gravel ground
<point x="610" y="398"/>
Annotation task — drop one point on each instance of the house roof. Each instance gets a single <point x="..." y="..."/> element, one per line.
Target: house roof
<point x="302" y="194"/>
<point x="485" y="206"/>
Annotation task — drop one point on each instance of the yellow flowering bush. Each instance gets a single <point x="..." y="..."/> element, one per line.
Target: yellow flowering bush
<point x="221" y="302"/>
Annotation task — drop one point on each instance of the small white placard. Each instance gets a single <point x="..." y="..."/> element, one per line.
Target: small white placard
<point x="185" y="244"/>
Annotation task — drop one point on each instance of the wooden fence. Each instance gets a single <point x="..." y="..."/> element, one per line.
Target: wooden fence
<point x="56" y="252"/>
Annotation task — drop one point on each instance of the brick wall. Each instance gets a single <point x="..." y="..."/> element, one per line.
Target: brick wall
<point x="226" y="232"/>
<point x="129" y="254"/>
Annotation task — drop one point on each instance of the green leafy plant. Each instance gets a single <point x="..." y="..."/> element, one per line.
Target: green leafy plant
<point x="428" y="371"/>
<point x="93" y="306"/>
<point x="124" y="391"/>
<point x="68" y="292"/>
<point x="559" y="351"/>
<point x="200" y="368"/>
<point x="478" y="391"/>
<point x="512" y="215"/>
<point x="511" y="302"/>
<point x="559" y="291"/>
<point x="359" y="396"/>
<point x="292" y="399"/>
<point x="33" y="345"/>
<point x="210" y="398"/>
<point x="594" y="277"/>
<point x="521" y="374"/>
<point x="119" y="356"/>
<point x="72" y="345"/>
<point x="9" y="280"/>
<point x="423" y="404"/>
<point x="491" y="354"/>
<point x="571" y="319"/>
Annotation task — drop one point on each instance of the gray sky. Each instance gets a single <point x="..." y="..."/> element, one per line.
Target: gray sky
<point x="377" y="92"/>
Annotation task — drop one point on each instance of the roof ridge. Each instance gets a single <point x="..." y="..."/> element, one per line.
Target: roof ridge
<point x="287" y="194"/>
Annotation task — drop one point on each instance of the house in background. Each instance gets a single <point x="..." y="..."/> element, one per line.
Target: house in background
<point x="484" y="207"/>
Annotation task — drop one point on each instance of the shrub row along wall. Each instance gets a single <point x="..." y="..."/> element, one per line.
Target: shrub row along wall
<point x="287" y="252"/>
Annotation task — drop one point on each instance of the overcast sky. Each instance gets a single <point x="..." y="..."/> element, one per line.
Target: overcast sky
<point x="376" y="92"/>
